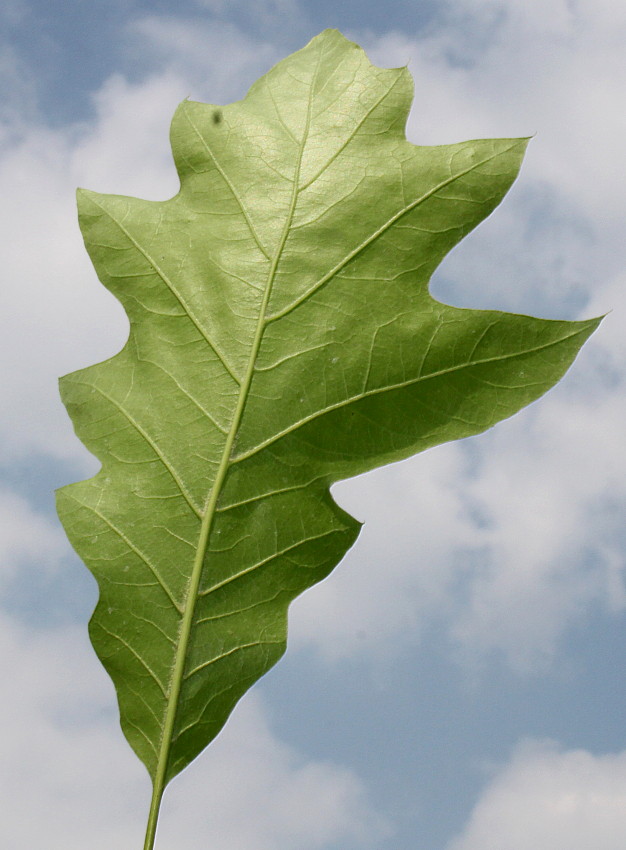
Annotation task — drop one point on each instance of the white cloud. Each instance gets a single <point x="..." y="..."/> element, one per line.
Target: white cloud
<point x="253" y="791"/>
<point x="54" y="313"/>
<point x="509" y="69"/>
<point x="549" y="798"/>
<point x="64" y="758"/>
<point x="26" y="536"/>
<point x="53" y="744"/>
<point x="400" y="571"/>
<point x="552" y="546"/>
<point x="556" y="17"/>
<point x="126" y="150"/>
<point x="611" y="299"/>
<point x="216" y="59"/>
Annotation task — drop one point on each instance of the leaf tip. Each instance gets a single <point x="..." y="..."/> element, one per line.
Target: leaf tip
<point x="83" y="195"/>
<point x="596" y="321"/>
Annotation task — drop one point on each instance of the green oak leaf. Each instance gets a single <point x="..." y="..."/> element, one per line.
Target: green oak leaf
<point x="282" y="337"/>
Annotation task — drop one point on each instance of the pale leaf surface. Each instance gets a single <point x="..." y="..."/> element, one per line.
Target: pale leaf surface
<point x="282" y="337"/>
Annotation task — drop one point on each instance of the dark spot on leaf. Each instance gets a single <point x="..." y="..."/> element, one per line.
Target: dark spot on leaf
<point x="217" y="116"/>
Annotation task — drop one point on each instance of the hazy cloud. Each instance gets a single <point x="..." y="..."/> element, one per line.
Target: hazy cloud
<point x="548" y="797"/>
<point x="26" y="537"/>
<point x="553" y="69"/>
<point x="248" y="790"/>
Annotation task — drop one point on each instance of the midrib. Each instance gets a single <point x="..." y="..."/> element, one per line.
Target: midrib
<point x="209" y="511"/>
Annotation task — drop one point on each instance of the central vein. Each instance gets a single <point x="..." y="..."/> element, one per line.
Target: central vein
<point x="208" y="514"/>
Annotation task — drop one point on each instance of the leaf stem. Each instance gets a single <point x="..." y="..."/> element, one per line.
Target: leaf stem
<point x="153" y="817"/>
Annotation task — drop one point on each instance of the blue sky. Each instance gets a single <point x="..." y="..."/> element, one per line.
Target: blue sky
<point x="457" y="684"/>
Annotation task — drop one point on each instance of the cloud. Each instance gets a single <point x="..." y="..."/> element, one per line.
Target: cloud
<point x="514" y="69"/>
<point x="547" y="797"/>
<point x="26" y="537"/>
<point x="52" y="746"/>
<point x="550" y="489"/>
<point x="404" y="564"/>
<point x="251" y="790"/>
<point x="64" y="757"/>
<point x="218" y="61"/>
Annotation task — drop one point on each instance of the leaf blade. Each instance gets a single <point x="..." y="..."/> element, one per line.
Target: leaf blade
<point x="282" y="338"/>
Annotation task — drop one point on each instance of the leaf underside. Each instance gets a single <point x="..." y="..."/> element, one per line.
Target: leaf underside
<point x="282" y="337"/>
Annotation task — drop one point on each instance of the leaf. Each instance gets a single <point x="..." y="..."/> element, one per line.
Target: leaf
<point x="282" y="337"/>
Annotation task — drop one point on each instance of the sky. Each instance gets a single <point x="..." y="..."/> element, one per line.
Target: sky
<point x="458" y="682"/>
